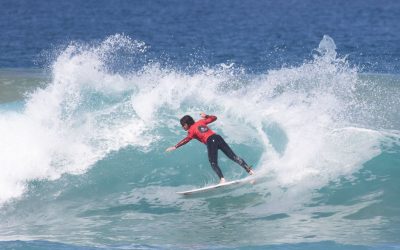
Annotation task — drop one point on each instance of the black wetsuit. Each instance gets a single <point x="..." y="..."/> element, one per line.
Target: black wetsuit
<point x="215" y="142"/>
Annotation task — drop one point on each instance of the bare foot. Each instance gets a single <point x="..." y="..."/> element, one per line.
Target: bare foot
<point x="222" y="181"/>
<point x="251" y="172"/>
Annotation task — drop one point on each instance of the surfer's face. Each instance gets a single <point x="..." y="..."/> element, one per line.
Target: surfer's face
<point x="185" y="127"/>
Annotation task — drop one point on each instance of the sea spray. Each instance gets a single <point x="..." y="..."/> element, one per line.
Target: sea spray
<point x="72" y="123"/>
<point x="290" y="122"/>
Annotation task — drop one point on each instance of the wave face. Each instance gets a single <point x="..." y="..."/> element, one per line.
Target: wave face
<point x="83" y="158"/>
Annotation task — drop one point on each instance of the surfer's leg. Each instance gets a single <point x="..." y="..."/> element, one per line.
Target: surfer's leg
<point x="231" y="155"/>
<point x="212" y="148"/>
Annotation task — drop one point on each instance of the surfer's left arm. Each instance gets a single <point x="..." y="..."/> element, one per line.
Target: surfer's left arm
<point x="208" y="118"/>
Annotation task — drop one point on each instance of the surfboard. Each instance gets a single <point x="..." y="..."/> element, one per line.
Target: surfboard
<point x="213" y="187"/>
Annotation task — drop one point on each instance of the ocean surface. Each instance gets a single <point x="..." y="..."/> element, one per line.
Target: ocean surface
<point x="91" y="93"/>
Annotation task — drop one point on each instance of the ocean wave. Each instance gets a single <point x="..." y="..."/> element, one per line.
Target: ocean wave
<point x="94" y="137"/>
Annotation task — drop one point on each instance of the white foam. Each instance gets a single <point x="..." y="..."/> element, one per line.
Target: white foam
<point x="86" y="111"/>
<point x="64" y="128"/>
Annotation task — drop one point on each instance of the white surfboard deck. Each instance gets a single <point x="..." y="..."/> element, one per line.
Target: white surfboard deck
<point x="212" y="187"/>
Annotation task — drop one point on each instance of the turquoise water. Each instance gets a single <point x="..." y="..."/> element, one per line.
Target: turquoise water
<point x="320" y="245"/>
<point x="84" y="167"/>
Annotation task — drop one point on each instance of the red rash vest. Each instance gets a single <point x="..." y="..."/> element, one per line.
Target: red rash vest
<point x="199" y="130"/>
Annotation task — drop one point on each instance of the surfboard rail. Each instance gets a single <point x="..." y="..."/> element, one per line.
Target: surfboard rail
<point x="212" y="187"/>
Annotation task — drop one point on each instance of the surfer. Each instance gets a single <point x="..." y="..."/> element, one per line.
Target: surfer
<point x="200" y="131"/>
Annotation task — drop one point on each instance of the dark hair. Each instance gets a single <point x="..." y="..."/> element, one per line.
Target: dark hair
<point x="187" y="119"/>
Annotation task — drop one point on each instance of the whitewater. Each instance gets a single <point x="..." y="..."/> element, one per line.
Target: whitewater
<point x="83" y="161"/>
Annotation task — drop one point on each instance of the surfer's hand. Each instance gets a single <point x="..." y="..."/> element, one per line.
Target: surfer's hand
<point x="203" y="115"/>
<point x="170" y="149"/>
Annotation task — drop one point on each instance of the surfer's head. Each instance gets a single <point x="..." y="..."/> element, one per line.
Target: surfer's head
<point x="186" y="122"/>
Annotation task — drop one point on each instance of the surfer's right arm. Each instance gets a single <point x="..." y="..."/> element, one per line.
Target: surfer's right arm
<point x="208" y="118"/>
<point x="179" y="144"/>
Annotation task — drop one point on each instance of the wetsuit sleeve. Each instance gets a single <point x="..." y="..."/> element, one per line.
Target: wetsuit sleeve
<point x="210" y="119"/>
<point x="183" y="142"/>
